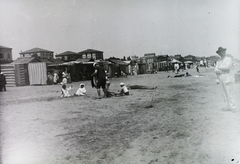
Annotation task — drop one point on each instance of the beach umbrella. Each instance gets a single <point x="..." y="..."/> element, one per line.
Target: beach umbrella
<point x="175" y="61"/>
<point x="188" y="62"/>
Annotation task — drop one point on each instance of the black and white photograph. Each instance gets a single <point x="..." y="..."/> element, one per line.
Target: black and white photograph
<point x="119" y="81"/>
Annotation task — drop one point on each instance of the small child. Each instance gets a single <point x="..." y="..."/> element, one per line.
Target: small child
<point x="81" y="90"/>
<point x="64" y="78"/>
<point x="65" y="90"/>
<point x="124" y="90"/>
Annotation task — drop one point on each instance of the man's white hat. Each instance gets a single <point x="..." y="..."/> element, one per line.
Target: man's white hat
<point x="1" y="73"/>
<point x="121" y="83"/>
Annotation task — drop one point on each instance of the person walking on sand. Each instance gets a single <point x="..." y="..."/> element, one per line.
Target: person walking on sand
<point x="101" y="79"/>
<point x="222" y="70"/>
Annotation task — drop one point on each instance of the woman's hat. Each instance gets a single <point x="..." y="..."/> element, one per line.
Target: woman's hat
<point x="220" y="49"/>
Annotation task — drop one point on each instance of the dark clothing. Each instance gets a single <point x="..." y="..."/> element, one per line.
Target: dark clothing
<point x="197" y="69"/>
<point x="101" y="83"/>
<point x="100" y="76"/>
<point x="180" y="75"/>
<point x="2" y="82"/>
<point x="100" y="73"/>
<point x="93" y="81"/>
<point x="141" y="87"/>
<point x="3" y="88"/>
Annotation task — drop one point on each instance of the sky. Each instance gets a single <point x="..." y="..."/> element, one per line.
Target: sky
<point x="122" y="27"/>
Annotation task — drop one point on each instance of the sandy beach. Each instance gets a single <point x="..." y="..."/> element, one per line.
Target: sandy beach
<point x="182" y="121"/>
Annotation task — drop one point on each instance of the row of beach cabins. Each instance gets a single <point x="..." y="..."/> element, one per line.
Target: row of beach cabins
<point x="33" y="65"/>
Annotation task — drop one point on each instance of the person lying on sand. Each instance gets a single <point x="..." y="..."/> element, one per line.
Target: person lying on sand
<point x="64" y="91"/>
<point x="180" y="75"/>
<point x="140" y="87"/>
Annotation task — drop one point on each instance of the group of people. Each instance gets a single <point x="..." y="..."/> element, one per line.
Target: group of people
<point x="80" y="92"/>
<point x="52" y="78"/>
<point x="222" y="70"/>
<point x="175" y="67"/>
<point x="58" y="77"/>
<point x="100" y="81"/>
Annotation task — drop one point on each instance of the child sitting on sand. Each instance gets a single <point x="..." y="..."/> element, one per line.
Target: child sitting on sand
<point x="65" y="90"/>
<point x="81" y="90"/>
<point x="124" y="90"/>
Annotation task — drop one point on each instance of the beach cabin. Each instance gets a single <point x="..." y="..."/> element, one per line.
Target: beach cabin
<point x="117" y="66"/>
<point x="5" y="55"/>
<point x="67" y="56"/>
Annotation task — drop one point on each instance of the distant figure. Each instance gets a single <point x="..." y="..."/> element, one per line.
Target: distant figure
<point x="180" y="75"/>
<point x="64" y="78"/>
<point x="166" y="68"/>
<point x="123" y="74"/>
<point x="197" y="68"/>
<point x="182" y="66"/>
<point x="187" y="74"/>
<point x="69" y="79"/>
<point x="49" y="79"/>
<point x="81" y="90"/>
<point x="222" y="70"/>
<point x="65" y="91"/>
<point x="55" y="78"/>
<point x="59" y="76"/>
<point x="3" y="82"/>
<point x="134" y="72"/>
<point x="176" y="68"/>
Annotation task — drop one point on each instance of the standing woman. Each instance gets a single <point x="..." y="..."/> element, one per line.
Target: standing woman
<point x="222" y="70"/>
<point x="101" y="79"/>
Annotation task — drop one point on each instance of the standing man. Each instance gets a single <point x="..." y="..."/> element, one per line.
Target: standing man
<point x="176" y="67"/>
<point x="2" y="82"/>
<point x="101" y="79"/>
<point x="222" y="69"/>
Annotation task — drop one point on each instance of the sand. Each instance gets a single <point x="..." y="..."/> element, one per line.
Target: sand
<point x="181" y="121"/>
